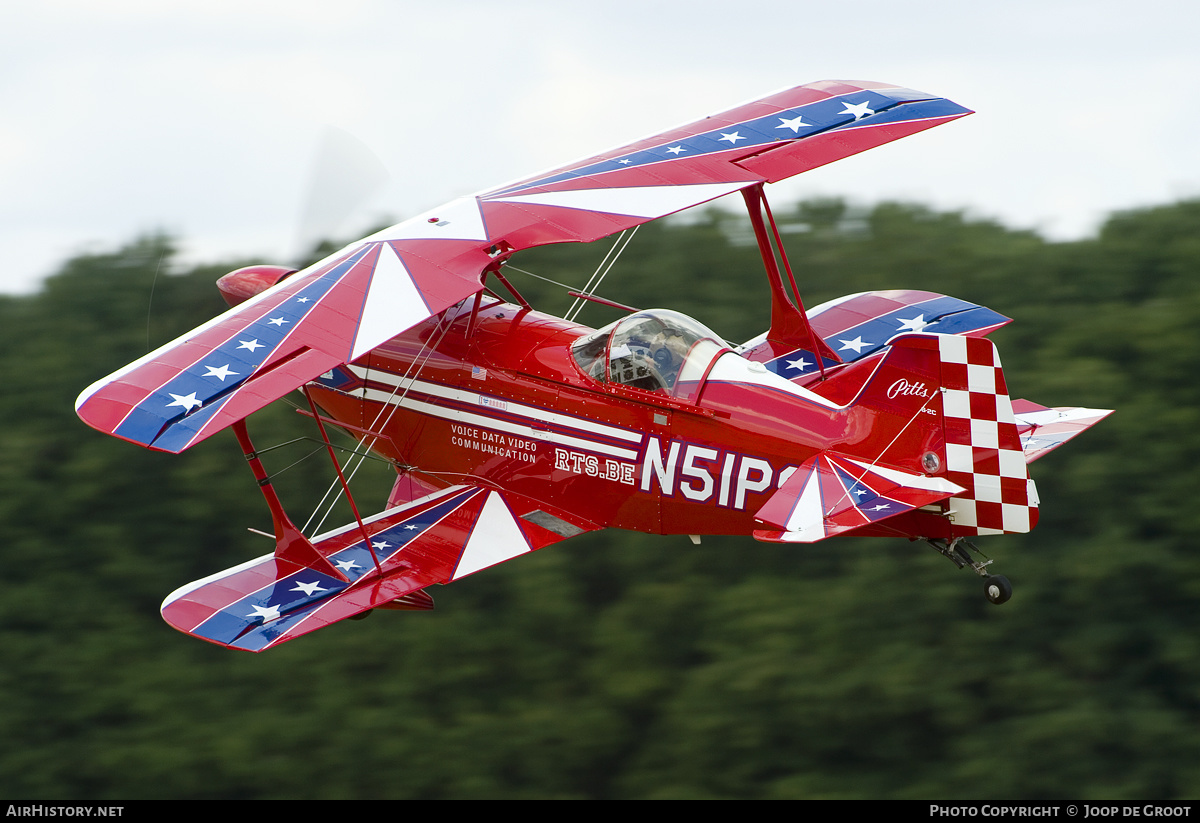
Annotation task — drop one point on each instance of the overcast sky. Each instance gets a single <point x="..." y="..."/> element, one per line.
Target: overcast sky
<point x="205" y="119"/>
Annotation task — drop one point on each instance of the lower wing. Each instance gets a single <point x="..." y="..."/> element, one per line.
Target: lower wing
<point x="832" y="493"/>
<point x="437" y="539"/>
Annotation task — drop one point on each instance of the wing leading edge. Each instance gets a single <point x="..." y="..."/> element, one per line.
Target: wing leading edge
<point x="260" y="350"/>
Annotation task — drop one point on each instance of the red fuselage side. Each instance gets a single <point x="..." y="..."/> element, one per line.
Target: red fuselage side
<point x="499" y="400"/>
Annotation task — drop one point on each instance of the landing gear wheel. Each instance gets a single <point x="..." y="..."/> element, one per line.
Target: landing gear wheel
<point x="997" y="589"/>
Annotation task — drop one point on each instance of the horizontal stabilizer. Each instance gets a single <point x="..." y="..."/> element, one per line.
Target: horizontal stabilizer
<point x="831" y="494"/>
<point x="436" y="539"/>
<point x="1043" y="429"/>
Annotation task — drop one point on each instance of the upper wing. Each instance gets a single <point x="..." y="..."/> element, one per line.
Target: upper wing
<point x="764" y="141"/>
<point x="439" y="538"/>
<point x="342" y="307"/>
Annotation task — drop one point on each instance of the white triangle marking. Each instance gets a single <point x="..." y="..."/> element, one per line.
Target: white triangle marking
<point x="495" y="538"/>
<point x="637" y="201"/>
<point x="393" y="304"/>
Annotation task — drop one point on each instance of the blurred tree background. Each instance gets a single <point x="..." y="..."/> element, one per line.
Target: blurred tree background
<point x="621" y="665"/>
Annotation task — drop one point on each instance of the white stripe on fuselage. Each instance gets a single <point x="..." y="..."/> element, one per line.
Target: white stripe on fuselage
<point x="580" y="440"/>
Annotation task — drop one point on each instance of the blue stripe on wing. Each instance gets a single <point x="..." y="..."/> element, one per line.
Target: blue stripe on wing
<point x="256" y="620"/>
<point x="197" y="391"/>
<point x="943" y="315"/>
<point x="865" y="107"/>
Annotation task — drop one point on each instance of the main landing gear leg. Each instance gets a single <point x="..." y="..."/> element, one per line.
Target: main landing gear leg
<point x="996" y="587"/>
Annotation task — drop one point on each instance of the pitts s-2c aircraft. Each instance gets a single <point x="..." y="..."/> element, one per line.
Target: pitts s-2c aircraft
<point x="882" y="413"/>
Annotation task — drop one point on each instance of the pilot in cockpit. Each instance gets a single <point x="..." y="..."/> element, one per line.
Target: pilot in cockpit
<point x="646" y="350"/>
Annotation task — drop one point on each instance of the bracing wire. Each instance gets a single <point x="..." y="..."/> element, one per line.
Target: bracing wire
<point x="560" y="284"/>
<point x="392" y="403"/>
<point x="610" y="259"/>
<point x="873" y="463"/>
<point x="588" y="286"/>
<point x="361" y="451"/>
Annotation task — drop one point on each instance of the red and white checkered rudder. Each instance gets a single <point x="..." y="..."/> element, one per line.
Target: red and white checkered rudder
<point x="983" y="447"/>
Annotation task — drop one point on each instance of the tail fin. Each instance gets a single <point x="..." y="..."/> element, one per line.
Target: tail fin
<point x="939" y="404"/>
<point x="983" y="447"/>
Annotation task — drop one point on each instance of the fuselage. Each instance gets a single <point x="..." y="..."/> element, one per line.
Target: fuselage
<point x="497" y="396"/>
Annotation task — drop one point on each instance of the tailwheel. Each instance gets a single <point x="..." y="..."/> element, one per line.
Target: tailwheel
<point x="997" y="589"/>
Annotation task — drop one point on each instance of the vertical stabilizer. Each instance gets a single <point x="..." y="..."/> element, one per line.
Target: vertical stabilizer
<point x="983" y="446"/>
<point x="939" y="404"/>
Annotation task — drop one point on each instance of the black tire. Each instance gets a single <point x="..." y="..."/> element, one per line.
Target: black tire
<point x="997" y="589"/>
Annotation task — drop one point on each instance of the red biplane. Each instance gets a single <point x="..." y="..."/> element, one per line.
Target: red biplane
<point x="882" y="413"/>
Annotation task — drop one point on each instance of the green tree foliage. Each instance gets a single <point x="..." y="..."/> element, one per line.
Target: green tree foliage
<point x="618" y="664"/>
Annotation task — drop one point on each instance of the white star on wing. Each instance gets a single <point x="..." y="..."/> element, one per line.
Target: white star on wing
<point x="347" y="565"/>
<point x="410" y="528"/>
<point x="276" y="321"/>
<point x="913" y="324"/>
<point x="794" y="124"/>
<point x="187" y="401"/>
<point x="220" y="372"/>
<point x="308" y="588"/>
<point x="859" y="110"/>
<point x="675" y="150"/>
<point x="381" y="545"/>
<point x="857" y="344"/>
<point x="732" y="137"/>
<point x="799" y="363"/>
<point x="251" y="344"/>
<point x="265" y="612"/>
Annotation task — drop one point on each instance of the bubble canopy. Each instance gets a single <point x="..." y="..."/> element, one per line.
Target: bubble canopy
<point x="656" y="350"/>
